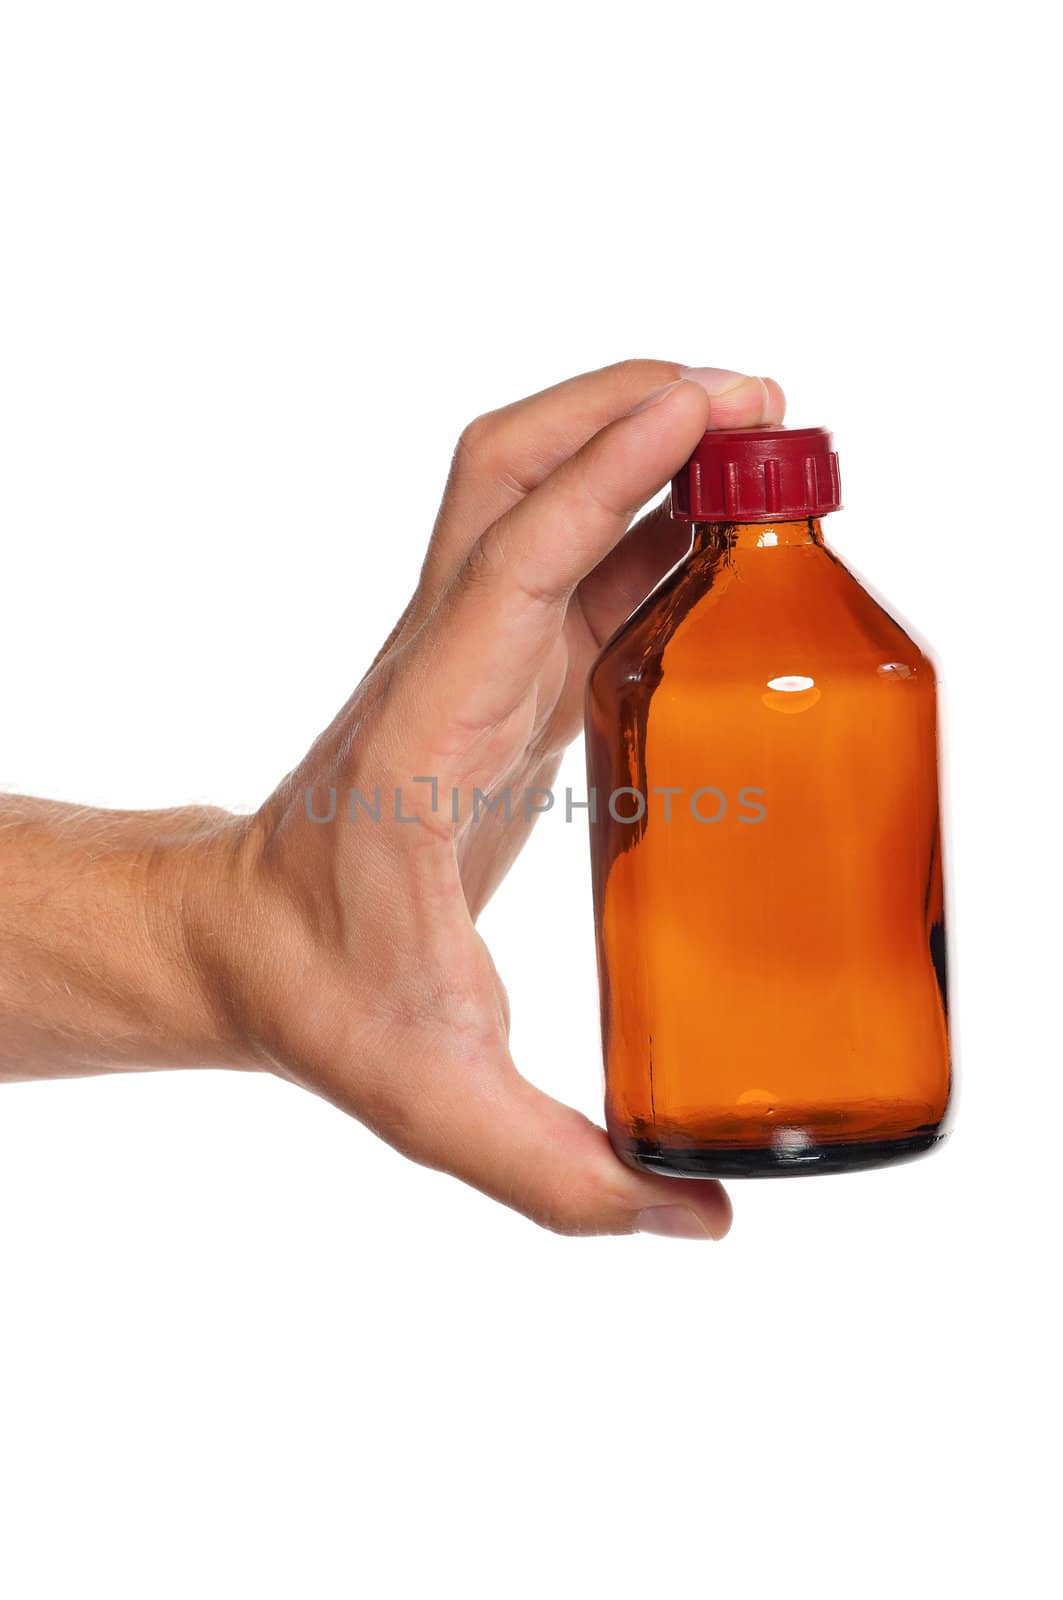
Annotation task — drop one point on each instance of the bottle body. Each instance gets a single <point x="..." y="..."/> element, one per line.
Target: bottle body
<point x="767" y="863"/>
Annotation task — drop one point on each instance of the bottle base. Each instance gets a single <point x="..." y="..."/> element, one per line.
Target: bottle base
<point x="775" y="1161"/>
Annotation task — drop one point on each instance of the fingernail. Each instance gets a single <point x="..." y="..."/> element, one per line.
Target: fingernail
<point x="716" y="380"/>
<point x="654" y="398"/>
<point x="675" y="1222"/>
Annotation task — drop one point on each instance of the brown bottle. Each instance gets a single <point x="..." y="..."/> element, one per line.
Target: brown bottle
<point x="763" y="752"/>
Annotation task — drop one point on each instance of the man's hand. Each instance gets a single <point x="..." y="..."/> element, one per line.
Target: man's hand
<point x="345" y="956"/>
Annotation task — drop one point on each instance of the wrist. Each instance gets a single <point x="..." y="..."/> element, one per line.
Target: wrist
<point x="198" y="912"/>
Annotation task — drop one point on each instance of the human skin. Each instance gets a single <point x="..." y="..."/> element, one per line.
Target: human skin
<point x="346" y="958"/>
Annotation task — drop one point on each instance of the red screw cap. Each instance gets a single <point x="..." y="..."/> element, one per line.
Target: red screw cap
<point x="758" y="475"/>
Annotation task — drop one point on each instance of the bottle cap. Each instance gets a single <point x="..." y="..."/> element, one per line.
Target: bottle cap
<point x="758" y="475"/>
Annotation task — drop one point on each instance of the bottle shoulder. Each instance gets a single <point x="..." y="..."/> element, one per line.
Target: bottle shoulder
<point x="784" y="612"/>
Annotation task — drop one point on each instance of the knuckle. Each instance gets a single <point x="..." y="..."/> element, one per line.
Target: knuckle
<point x="563" y="1208"/>
<point x="493" y="565"/>
<point x="599" y="501"/>
<point x="490" y="449"/>
<point x="553" y="1220"/>
<point x="566" y="1224"/>
<point x="639" y="370"/>
<point x="478" y="442"/>
<point x="485" y="562"/>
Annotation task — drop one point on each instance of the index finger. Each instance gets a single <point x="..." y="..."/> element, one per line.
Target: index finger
<point x="506" y="454"/>
<point x="477" y="659"/>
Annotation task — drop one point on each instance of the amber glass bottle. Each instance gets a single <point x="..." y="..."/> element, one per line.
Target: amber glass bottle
<point x="763" y="750"/>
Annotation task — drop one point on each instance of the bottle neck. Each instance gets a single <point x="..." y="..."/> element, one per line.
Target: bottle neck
<point x="729" y="539"/>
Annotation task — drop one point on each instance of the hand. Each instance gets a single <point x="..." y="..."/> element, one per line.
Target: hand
<point x="347" y="952"/>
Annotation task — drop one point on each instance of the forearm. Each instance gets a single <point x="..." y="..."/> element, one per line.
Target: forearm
<point x="97" y="971"/>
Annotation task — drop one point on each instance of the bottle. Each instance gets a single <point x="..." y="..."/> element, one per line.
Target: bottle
<point x="766" y="843"/>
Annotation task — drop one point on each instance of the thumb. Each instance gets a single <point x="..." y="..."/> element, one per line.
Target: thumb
<point x="549" y="1162"/>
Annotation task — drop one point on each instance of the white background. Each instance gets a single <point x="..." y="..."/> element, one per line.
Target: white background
<point x="259" y="263"/>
